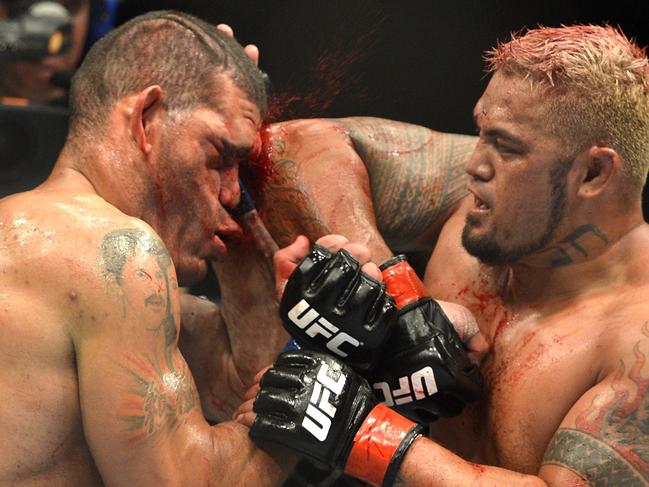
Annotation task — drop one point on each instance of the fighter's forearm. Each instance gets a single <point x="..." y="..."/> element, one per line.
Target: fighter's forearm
<point x="318" y="185"/>
<point x="417" y="177"/>
<point x="226" y="344"/>
<point x="427" y="464"/>
<point x="249" y="310"/>
<point x="239" y="463"/>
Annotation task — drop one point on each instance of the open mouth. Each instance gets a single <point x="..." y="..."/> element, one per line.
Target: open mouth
<point x="480" y="204"/>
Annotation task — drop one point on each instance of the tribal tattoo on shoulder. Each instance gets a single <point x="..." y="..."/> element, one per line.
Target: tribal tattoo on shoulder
<point x="162" y="390"/>
<point x="416" y="174"/>
<point x="610" y="444"/>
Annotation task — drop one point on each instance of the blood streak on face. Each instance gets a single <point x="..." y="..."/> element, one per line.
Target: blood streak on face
<point x="257" y="172"/>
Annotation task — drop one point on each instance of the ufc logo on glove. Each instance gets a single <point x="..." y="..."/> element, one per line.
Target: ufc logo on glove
<point x="307" y="318"/>
<point x="320" y="411"/>
<point x="422" y="384"/>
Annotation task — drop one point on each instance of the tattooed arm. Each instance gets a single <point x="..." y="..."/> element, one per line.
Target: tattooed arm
<point x="141" y="415"/>
<point x="602" y="441"/>
<point x="386" y="184"/>
<point x="416" y="174"/>
<point x="316" y="184"/>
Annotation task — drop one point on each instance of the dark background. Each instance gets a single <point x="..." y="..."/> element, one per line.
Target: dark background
<point x="418" y="61"/>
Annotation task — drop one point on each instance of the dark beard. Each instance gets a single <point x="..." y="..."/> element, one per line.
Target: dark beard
<point x="487" y="249"/>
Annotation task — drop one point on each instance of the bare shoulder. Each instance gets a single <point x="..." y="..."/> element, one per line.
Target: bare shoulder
<point x="58" y="257"/>
<point x="67" y="225"/>
<point x="604" y="438"/>
<point x="74" y="241"/>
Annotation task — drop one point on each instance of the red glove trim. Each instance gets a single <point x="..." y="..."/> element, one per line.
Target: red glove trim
<point x="403" y="284"/>
<point x="375" y="444"/>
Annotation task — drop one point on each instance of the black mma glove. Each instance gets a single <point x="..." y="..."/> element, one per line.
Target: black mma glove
<point x="316" y="405"/>
<point x="425" y="372"/>
<point x="331" y="306"/>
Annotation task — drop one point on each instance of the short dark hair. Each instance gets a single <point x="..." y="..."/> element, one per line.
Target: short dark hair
<point x="177" y="51"/>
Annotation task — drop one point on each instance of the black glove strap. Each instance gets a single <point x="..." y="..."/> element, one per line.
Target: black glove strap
<point x="397" y="459"/>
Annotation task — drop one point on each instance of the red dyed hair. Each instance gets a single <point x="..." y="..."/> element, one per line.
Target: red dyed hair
<point x="596" y="83"/>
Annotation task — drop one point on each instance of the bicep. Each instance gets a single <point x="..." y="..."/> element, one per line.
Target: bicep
<point x="417" y="177"/>
<point x="136" y="392"/>
<point x="604" y="439"/>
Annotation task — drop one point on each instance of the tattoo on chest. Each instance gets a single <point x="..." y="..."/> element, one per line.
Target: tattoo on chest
<point x="610" y="444"/>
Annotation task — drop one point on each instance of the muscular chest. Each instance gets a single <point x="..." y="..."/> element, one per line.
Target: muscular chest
<point x="539" y="364"/>
<point x="535" y="372"/>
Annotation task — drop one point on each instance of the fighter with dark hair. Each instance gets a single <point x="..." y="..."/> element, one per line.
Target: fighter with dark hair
<point x="95" y="391"/>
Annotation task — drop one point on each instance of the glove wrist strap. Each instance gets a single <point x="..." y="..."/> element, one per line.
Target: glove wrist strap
<point x="403" y="284"/>
<point x="379" y="446"/>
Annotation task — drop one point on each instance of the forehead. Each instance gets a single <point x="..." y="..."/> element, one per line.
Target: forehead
<point x="512" y="99"/>
<point x="229" y="114"/>
<point x="227" y="99"/>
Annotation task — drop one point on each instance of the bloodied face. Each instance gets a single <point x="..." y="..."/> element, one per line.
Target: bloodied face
<point x="194" y="179"/>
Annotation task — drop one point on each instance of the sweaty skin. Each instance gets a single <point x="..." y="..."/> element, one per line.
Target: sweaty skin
<point x="567" y="328"/>
<point x="95" y="390"/>
<point x="296" y="194"/>
<point x="104" y="299"/>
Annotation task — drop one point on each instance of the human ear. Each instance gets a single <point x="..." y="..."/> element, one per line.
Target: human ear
<point x="144" y="106"/>
<point x="600" y="166"/>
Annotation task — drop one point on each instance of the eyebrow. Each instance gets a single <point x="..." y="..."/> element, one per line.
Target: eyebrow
<point x="502" y="134"/>
<point x="497" y="132"/>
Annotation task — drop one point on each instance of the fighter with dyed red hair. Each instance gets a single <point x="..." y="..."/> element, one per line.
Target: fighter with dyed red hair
<point x="546" y="246"/>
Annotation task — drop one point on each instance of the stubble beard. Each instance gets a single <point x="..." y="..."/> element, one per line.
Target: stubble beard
<point x="490" y="251"/>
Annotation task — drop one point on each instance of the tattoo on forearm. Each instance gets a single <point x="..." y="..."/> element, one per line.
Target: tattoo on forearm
<point x="416" y="174"/>
<point x="578" y="241"/>
<point x="293" y="211"/>
<point x="610" y="445"/>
